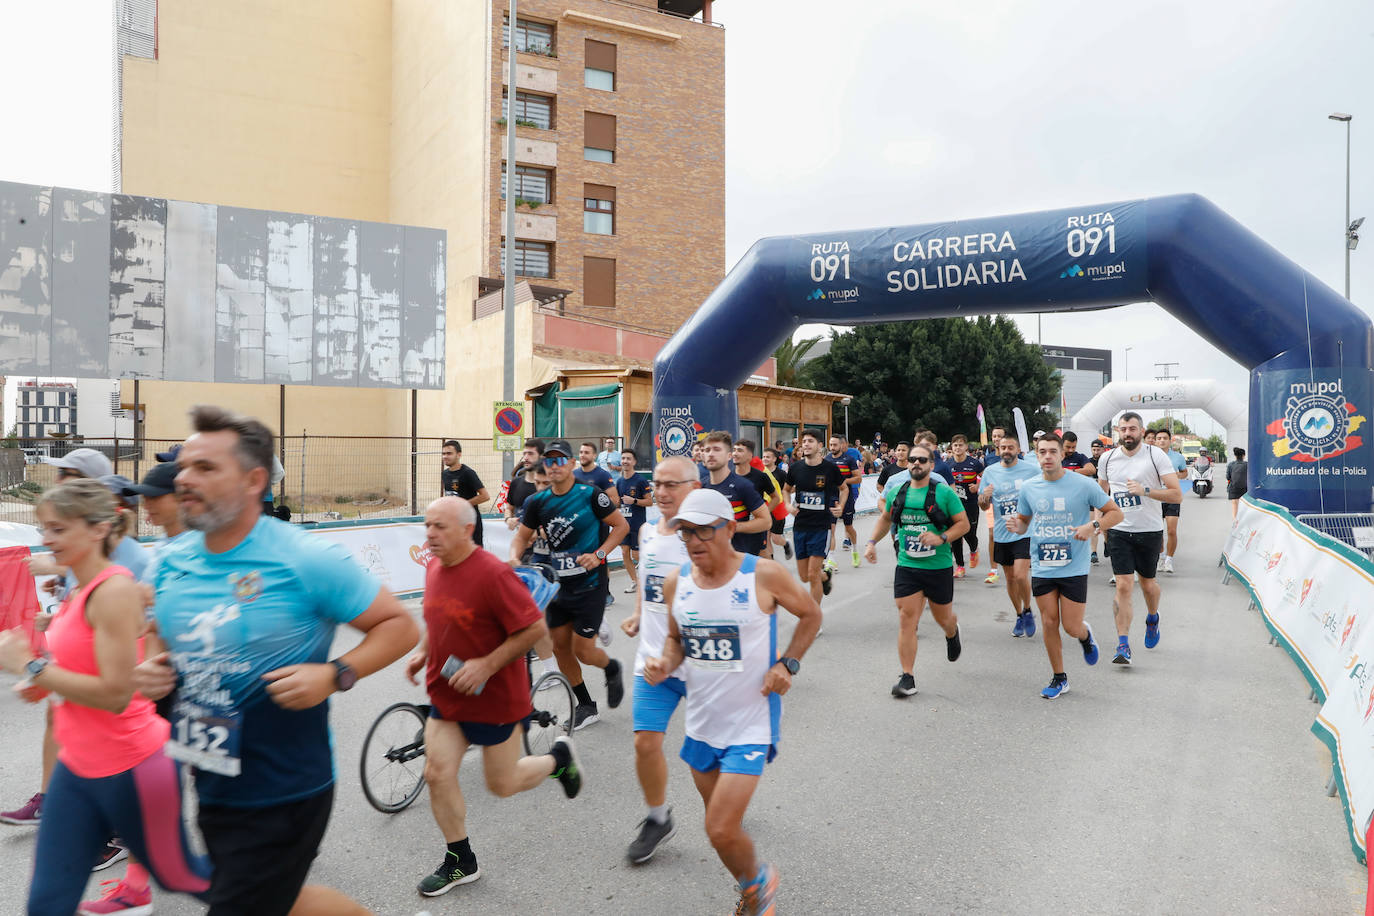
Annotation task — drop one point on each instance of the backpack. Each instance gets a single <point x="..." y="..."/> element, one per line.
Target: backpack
<point x="938" y="517"/>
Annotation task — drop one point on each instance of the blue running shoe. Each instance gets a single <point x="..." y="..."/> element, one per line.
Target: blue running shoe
<point x="1020" y="629"/>
<point x="756" y="897"/>
<point x="1030" y="622"/>
<point x="1090" y="653"/>
<point x="1123" y="654"/>
<point x="1058" y="684"/>
<point x="1151" y="631"/>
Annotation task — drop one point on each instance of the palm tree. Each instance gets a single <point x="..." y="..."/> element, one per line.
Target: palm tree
<point x="790" y="356"/>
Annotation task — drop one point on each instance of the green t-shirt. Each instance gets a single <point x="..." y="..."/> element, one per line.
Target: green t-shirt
<point x="910" y="552"/>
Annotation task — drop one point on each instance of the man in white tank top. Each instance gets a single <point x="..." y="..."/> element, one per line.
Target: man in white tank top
<point x="723" y="625"/>
<point x="661" y="552"/>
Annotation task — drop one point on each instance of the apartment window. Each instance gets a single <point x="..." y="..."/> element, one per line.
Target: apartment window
<point x="598" y="282"/>
<point x="600" y="66"/>
<point x="532" y="259"/>
<point x="598" y="209"/>
<point x="599" y="134"/>
<point x="531" y="183"/>
<point x="530" y="37"/>
<point x="530" y="110"/>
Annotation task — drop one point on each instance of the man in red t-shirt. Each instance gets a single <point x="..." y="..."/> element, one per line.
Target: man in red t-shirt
<point x="479" y="614"/>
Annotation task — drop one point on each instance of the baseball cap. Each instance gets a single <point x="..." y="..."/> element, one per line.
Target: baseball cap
<point x="702" y="507"/>
<point x="170" y="454"/>
<point x="160" y="481"/>
<point x="85" y="460"/>
<point x="118" y="485"/>
<point x="559" y="447"/>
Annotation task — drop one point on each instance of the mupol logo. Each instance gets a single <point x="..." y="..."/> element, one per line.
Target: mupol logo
<point x="1317" y="423"/>
<point x="834" y="295"/>
<point x="1074" y="271"/>
<point x="816" y="295"/>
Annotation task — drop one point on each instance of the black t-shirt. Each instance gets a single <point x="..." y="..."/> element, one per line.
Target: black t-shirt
<point x="892" y="467"/>
<point x="817" y="489"/>
<point x="744" y="499"/>
<point x="465" y="484"/>
<point x="966" y="474"/>
<point x="519" y="491"/>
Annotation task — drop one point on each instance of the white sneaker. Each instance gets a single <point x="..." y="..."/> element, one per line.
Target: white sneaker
<point x="604" y="636"/>
<point x="1169" y="565"/>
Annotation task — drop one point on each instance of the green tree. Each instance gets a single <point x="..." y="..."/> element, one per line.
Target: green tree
<point x="934" y="373"/>
<point x="1215" y="445"/>
<point x="790" y="357"/>
<point x="1179" y="428"/>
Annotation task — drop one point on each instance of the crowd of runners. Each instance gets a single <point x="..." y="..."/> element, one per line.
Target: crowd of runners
<point x="212" y="651"/>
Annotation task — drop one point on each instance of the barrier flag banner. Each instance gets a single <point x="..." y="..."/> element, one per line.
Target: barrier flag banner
<point x="1317" y="598"/>
<point x="982" y="427"/>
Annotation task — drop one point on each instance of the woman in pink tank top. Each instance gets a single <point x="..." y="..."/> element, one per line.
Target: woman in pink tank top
<point x="112" y="777"/>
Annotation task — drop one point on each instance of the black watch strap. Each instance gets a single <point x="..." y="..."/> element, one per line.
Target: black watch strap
<point x="791" y="664"/>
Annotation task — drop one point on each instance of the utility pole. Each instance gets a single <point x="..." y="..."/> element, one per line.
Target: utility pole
<point x="508" y="296"/>
<point x="1166" y="373"/>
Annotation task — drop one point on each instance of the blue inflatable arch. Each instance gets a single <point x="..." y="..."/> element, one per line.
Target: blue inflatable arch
<point x="1308" y="349"/>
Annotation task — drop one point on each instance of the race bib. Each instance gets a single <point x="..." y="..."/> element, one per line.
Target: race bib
<point x="1006" y="505"/>
<point x="1053" y="554"/>
<point x="653" y="594"/>
<point x="1127" y="502"/>
<point x="810" y="500"/>
<point x="205" y="737"/>
<point x="912" y="546"/>
<point x="565" y="564"/>
<point x="961" y="491"/>
<point x="627" y="511"/>
<point x="713" y="647"/>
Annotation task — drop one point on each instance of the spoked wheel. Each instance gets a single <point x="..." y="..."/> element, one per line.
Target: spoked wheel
<point x="553" y="701"/>
<point x="393" y="760"/>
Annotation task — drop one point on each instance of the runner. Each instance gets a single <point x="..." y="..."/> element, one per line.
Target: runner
<point x="772" y="465"/>
<point x="654" y="704"/>
<point x="723" y="623"/>
<point x="1097" y="446"/>
<point x="1164" y="441"/>
<point x="572" y="514"/>
<point x="853" y="474"/>
<point x="966" y="470"/>
<point x="751" y="512"/>
<point x="589" y="472"/>
<point x="522" y="485"/>
<point x="479" y="614"/>
<point x="991" y="456"/>
<point x="742" y="454"/>
<point x="929" y="516"/>
<point x="897" y="465"/>
<point x="818" y="498"/>
<point x="1139" y="478"/>
<point x="703" y="473"/>
<point x="1002" y="485"/>
<point x="251" y="711"/>
<point x="1056" y="509"/>
<point x="634" y="500"/>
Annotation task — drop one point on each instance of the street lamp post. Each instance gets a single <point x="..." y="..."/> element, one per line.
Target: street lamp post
<point x="845" y="402"/>
<point x="1128" y="362"/>
<point x="1350" y="229"/>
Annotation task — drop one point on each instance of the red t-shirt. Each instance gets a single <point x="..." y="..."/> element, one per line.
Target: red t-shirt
<point x="470" y="609"/>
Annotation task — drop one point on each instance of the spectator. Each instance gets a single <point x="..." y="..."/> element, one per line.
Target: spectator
<point x="1237" y="479"/>
<point x="459" y="480"/>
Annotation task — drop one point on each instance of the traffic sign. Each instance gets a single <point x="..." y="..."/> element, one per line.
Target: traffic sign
<point x="508" y="426"/>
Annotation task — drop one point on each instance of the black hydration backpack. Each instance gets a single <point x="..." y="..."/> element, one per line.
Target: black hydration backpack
<point x="938" y="517"/>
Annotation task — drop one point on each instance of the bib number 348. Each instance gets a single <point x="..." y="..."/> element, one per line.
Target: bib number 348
<point x="714" y="647"/>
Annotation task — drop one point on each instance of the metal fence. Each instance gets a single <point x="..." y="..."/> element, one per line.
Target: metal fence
<point x="1353" y="528"/>
<point x="327" y="477"/>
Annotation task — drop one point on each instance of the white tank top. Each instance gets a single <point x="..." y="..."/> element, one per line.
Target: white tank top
<point x="659" y="554"/>
<point x="729" y="644"/>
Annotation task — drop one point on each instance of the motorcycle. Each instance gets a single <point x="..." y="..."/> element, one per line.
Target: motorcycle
<point x="1201" y="479"/>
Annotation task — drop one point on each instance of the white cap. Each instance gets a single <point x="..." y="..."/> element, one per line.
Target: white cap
<point x="85" y="460"/>
<point x="702" y="507"/>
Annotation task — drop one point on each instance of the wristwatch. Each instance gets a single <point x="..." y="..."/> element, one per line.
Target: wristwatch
<point x="1147" y="491"/>
<point x="1097" y="526"/>
<point x="791" y="664"/>
<point x="36" y="666"/>
<point x="944" y="539"/>
<point x="344" y="676"/>
<point x="600" y="554"/>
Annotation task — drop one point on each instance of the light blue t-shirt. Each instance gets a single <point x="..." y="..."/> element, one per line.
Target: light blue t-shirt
<point x="1056" y="508"/>
<point x="1007" y="483"/>
<point x="228" y="618"/>
<point x="126" y="553"/>
<point x="1180" y="463"/>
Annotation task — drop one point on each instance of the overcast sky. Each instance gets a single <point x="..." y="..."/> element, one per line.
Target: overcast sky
<point x="899" y="112"/>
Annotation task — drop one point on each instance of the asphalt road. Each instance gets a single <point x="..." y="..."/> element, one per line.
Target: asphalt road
<point x="1188" y="783"/>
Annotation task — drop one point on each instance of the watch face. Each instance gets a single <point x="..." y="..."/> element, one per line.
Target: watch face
<point x="344" y="676"/>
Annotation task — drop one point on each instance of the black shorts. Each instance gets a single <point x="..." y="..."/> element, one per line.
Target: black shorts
<point x="583" y="610"/>
<point x="1134" y="552"/>
<point x="262" y="855"/>
<point x="1006" y="554"/>
<point x="1070" y="588"/>
<point x="485" y="734"/>
<point x="1171" y="509"/>
<point x="847" y="517"/>
<point x="936" y="584"/>
<point x="631" y="541"/>
<point x="779" y="525"/>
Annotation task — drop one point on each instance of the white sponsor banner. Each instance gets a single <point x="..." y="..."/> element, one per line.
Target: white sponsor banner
<point x="1317" y="598"/>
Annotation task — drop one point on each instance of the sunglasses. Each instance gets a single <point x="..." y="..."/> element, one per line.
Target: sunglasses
<point x="919" y="459"/>
<point x="555" y="461"/>
<point x="707" y="533"/>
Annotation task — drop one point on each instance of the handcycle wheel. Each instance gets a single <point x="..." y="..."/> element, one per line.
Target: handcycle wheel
<point x="393" y="766"/>
<point x="554" y="704"/>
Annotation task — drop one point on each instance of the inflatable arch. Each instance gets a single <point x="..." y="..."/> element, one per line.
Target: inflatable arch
<point x="1171" y="394"/>
<point x="1309" y="350"/>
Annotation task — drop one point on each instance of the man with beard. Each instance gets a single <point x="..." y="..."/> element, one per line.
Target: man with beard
<point x="1002" y="484"/>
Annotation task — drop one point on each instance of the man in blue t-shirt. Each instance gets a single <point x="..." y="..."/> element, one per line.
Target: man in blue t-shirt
<point x="852" y="470"/>
<point x="634" y="501"/>
<point x="752" y="521"/>
<point x="1164" y="440"/>
<point x="1002" y="484"/>
<point x="1056" y="510"/>
<point x="246" y="609"/>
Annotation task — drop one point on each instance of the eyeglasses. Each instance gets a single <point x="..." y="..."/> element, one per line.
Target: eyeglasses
<point x="670" y="484"/>
<point x="707" y="533"/>
<point x="919" y="459"/>
<point x="556" y="461"/>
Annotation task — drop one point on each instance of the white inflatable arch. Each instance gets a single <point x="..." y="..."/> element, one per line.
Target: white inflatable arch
<point x="1172" y="394"/>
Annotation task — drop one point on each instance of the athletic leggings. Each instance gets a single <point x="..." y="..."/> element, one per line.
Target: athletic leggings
<point x="141" y="806"/>
<point x="973" y="515"/>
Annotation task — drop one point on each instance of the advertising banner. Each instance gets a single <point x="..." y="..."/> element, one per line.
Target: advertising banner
<point x="1314" y="427"/>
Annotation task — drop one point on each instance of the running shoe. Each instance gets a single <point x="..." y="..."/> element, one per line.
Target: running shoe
<point x="1151" y="630"/>
<point x="634" y="587"/>
<point x="905" y="686"/>
<point x="825" y="581"/>
<point x="119" y="898"/>
<point x="652" y="835"/>
<point x="958" y="572"/>
<point x="1159" y="566"/>
<point x="1058" y="684"/>
<point x="829" y="565"/>
<point x="856" y="559"/>
<point x="449" y="875"/>
<point x="953" y="646"/>
<point x="846" y="544"/>
<point x="548" y="683"/>
<point x="610" y="599"/>
<point x="787" y="548"/>
<point x="1123" y="654"/>
<point x="1090" y="653"/>
<point x="1169" y="565"/>
<point x="26" y="815"/>
<point x="603" y="635"/>
<point x="758" y="895"/>
<point x="567" y="770"/>
<point x="615" y="684"/>
<point x="111" y="854"/>
<point x="1112" y="581"/>
<point x="973" y="560"/>
<point x="585" y="714"/>
<point x="991" y="577"/>
<point x="1020" y="629"/>
<point x="1093" y="558"/>
<point x="1030" y="622"/>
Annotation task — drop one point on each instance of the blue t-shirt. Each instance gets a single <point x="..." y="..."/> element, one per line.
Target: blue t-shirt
<point x="126" y="553"/>
<point x="1180" y="463"/>
<point x="572" y="525"/>
<point x="1007" y="483"/>
<point x="856" y="461"/>
<point x="597" y="477"/>
<point x="1056" y="508"/>
<point x="744" y="499"/>
<point x="637" y="487"/>
<point x="228" y="618"/>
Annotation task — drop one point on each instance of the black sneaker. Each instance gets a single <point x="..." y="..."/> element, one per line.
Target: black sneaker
<point x="787" y="549"/>
<point x="449" y="875"/>
<point x="566" y="770"/>
<point x="615" y="684"/>
<point x="952" y="645"/>
<point x="651" y="836"/>
<point x="584" y="715"/>
<point x="825" y="581"/>
<point x="111" y="854"/>
<point x="905" y="686"/>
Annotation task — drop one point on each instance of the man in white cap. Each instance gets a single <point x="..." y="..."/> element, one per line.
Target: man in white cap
<point x="723" y="624"/>
<point x="81" y="462"/>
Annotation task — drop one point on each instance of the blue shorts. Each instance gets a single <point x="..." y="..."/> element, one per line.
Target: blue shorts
<point x="810" y="542"/>
<point x="656" y="703"/>
<point x="484" y="734"/>
<point x="746" y="759"/>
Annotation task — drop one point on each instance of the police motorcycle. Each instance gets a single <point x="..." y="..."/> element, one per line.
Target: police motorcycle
<point x="1200" y="475"/>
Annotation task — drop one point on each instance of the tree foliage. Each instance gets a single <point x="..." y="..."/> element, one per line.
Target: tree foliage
<point x="789" y="357"/>
<point x="1215" y="444"/>
<point x="1179" y="428"/>
<point x="934" y="373"/>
